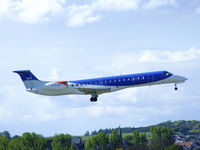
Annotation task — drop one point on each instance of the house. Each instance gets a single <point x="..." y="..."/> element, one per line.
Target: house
<point x="187" y="145"/>
<point x="179" y="139"/>
<point x="77" y="141"/>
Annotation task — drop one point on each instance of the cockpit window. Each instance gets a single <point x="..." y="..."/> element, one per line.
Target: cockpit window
<point x="167" y="73"/>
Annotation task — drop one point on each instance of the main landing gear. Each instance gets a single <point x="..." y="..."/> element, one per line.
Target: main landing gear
<point x="93" y="98"/>
<point x="175" y="87"/>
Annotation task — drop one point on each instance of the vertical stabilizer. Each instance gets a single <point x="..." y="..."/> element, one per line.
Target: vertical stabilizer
<point x="29" y="80"/>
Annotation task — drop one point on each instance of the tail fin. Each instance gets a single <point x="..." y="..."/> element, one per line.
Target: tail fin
<point x="29" y="80"/>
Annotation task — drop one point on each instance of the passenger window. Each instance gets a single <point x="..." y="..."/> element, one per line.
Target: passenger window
<point x="128" y="79"/>
<point x="119" y="80"/>
<point x="114" y="80"/>
<point x="138" y="78"/>
<point x="105" y="81"/>
<point x="143" y="78"/>
<point x="124" y="79"/>
<point x="110" y="81"/>
<point x="77" y="84"/>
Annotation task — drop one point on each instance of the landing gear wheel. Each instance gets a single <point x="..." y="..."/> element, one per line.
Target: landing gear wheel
<point x="175" y="87"/>
<point x="93" y="99"/>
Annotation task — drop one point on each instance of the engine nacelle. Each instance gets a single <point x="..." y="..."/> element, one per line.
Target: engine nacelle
<point x="60" y="85"/>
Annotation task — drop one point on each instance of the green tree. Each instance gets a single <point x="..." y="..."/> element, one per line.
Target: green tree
<point x="91" y="143"/>
<point x="32" y="141"/>
<point x="136" y="137"/>
<point x="115" y="140"/>
<point x="143" y="138"/>
<point x="128" y="139"/>
<point x="16" y="144"/>
<point x="100" y="142"/>
<point x="4" y="141"/>
<point x="156" y="135"/>
<point x="94" y="132"/>
<point x="72" y="147"/>
<point x="6" y="133"/>
<point x="61" y="142"/>
<point x="161" y="137"/>
<point x="103" y="140"/>
<point x="167" y="136"/>
<point x="139" y="141"/>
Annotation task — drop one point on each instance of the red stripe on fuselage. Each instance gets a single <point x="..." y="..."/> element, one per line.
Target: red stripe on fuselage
<point x="62" y="82"/>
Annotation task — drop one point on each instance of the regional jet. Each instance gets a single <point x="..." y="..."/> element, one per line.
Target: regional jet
<point x="97" y="86"/>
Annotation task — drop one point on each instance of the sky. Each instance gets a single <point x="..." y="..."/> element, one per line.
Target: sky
<point x="74" y="39"/>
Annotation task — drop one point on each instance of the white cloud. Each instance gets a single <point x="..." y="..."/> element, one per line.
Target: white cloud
<point x="170" y="56"/>
<point x="54" y="74"/>
<point x="95" y="111"/>
<point x="80" y="15"/>
<point x="118" y="62"/>
<point x="122" y="63"/>
<point x="34" y="11"/>
<point x="4" y="7"/>
<point x="128" y="95"/>
<point x="150" y="56"/>
<point x="197" y="10"/>
<point x="102" y="110"/>
<point x="30" y="11"/>
<point x="5" y="114"/>
<point x="151" y="4"/>
<point x="116" y="4"/>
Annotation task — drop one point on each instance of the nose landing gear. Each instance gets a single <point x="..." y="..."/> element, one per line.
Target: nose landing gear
<point x="175" y="87"/>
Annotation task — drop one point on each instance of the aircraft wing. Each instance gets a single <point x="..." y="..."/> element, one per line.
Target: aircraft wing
<point x="93" y="90"/>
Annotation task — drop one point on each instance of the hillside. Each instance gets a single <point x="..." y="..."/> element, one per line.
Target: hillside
<point x="179" y="127"/>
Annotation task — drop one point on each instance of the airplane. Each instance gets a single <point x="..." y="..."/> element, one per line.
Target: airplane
<point x="97" y="86"/>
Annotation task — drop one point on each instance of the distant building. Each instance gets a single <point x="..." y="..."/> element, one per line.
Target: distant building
<point x="179" y="139"/>
<point x="77" y="141"/>
<point x="187" y="145"/>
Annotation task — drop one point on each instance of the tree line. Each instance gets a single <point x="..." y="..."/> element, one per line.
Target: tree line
<point x="32" y="141"/>
<point x="161" y="138"/>
<point x="179" y="127"/>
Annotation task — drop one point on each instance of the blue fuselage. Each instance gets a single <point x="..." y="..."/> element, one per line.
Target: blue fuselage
<point x="126" y="80"/>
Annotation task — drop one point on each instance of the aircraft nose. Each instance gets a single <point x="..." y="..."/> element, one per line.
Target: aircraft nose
<point x="180" y="79"/>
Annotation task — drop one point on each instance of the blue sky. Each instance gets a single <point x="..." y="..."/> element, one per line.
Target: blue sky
<point x="68" y="40"/>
